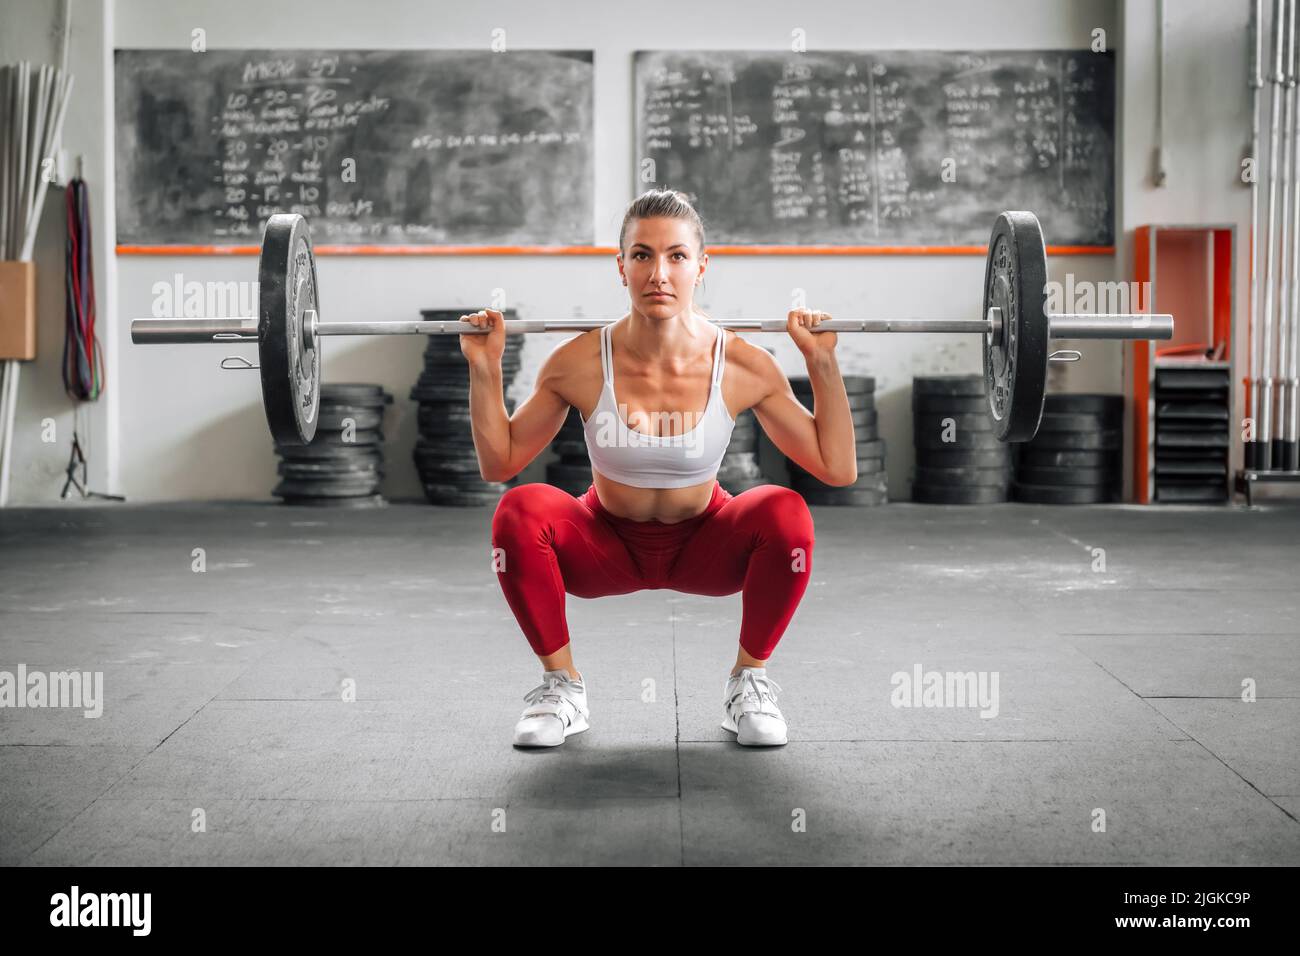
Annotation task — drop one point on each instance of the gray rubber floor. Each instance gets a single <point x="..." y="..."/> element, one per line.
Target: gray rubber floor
<point x="225" y="737"/>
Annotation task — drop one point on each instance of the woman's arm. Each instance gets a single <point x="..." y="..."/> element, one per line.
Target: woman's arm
<point x="820" y="442"/>
<point x="504" y="444"/>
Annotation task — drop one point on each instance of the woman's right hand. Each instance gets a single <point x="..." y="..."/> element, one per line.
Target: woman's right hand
<point x="484" y="350"/>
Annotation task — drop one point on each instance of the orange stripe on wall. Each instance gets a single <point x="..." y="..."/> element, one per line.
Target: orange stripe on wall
<point x="334" y="250"/>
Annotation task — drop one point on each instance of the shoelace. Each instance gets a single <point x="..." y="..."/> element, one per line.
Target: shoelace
<point x="755" y="692"/>
<point x="546" y="690"/>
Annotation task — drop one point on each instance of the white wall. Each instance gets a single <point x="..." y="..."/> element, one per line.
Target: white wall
<point x="190" y="430"/>
<point x="1207" y="134"/>
<point x="32" y="30"/>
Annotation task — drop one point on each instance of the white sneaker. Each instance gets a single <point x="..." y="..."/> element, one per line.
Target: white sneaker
<point x="558" y="707"/>
<point x="752" y="714"/>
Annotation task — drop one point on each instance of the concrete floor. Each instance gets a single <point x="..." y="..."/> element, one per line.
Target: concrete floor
<point x="1119" y="689"/>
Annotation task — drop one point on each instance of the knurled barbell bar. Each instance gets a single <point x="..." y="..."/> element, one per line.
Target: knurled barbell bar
<point x="1014" y="322"/>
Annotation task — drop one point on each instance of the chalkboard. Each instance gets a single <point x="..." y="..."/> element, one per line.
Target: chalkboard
<point x="890" y="148"/>
<point x="376" y="147"/>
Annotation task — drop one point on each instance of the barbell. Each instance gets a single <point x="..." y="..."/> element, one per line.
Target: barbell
<point x="1014" y="323"/>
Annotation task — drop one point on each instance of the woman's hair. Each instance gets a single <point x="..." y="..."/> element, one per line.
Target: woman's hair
<point x="662" y="203"/>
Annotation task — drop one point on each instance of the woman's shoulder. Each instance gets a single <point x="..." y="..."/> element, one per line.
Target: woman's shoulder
<point x="575" y="354"/>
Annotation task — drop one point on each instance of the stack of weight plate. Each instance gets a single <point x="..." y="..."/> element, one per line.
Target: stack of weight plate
<point x="1192" y="438"/>
<point x="739" y="470"/>
<point x="959" y="460"/>
<point x="871" y="487"/>
<point x="344" y="464"/>
<point x="444" y="453"/>
<point x="1075" y="458"/>
<point x="572" y="473"/>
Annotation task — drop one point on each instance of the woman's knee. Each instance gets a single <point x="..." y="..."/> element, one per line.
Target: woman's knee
<point x="784" y="515"/>
<point x="524" y="509"/>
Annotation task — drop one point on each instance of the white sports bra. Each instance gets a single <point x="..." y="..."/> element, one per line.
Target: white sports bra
<point x="652" y="461"/>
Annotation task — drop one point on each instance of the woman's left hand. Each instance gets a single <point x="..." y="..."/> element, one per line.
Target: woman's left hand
<point x="799" y="321"/>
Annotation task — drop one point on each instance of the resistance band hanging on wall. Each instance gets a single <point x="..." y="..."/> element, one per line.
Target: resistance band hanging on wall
<point x="83" y="362"/>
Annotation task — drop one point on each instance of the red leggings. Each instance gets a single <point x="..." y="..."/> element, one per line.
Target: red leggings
<point x="547" y="542"/>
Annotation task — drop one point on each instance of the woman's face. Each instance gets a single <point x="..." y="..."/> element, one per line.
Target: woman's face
<point x="660" y="265"/>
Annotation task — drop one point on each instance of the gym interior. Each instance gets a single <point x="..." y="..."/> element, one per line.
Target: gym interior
<point x="251" y="605"/>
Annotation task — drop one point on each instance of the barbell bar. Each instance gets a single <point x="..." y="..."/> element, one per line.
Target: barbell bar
<point x="1015" y="326"/>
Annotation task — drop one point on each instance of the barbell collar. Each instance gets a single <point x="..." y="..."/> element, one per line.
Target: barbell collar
<point x="1130" y="325"/>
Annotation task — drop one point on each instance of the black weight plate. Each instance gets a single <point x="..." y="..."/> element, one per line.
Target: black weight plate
<point x="872" y="481"/>
<point x="362" y="436"/>
<point x="1172" y="439"/>
<point x="287" y="291"/>
<point x="1015" y="367"/>
<point x="950" y="404"/>
<point x="844" y="497"/>
<point x="1191" y="427"/>
<point x="562" y="472"/>
<point x="937" y="423"/>
<point x="927" y="475"/>
<point x="354" y="393"/>
<point x="950" y="386"/>
<point x="866" y="466"/>
<point x="340" y="453"/>
<point x="361" y="419"/>
<point x="361" y="501"/>
<point x="1064" y="494"/>
<point x="568" y="446"/>
<point x="1067" y="476"/>
<point x="438" y="416"/>
<point x="965" y="458"/>
<point x="441" y="396"/>
<point x="739" y="456"/>
<point x="327" y="467"/>
<point x="861" y="407"/>
<point x="738" y="445"/>
<point x="1083" y="402"/>
<point x="959" y="494"/>
<point x="1104" y="440"/>
<point x="1177" y="379"/>
<point x="853" y="385"/>
<point x="449" y="496"/>
<point x="1205" y="411"/>
<point x="441" y="410"/>
<point x="968" y="440"/>
<point x="1053" y="458"/>
<point x="325" y="489"/>
<point x="1078" y="422"/>
<point x="1189" y="467"/>
<point x="448" y="466"/>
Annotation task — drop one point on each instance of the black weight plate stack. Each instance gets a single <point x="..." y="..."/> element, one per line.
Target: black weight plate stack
<point x="1076" y="456"/>
<point x="739" y="470"/>
<point x="444" y="453"/>
<point x="871" y="488"/>
<point x="572" y="472"/>
<point x="343" y="466"/>
<point x="1191" y="428"/>
<point x="959" y="459"/>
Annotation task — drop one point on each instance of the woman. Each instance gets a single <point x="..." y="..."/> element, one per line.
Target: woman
<point x="655" y="515"/>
